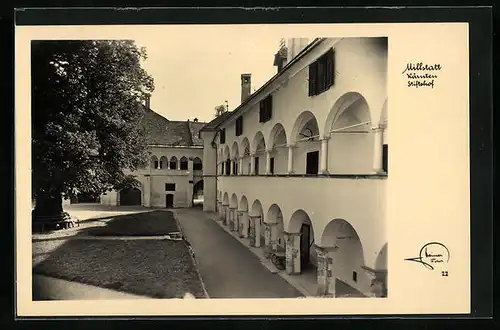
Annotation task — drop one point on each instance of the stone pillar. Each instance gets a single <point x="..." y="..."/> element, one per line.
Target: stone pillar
<point x="239" y="224"/>
<point x="268" y="162"/>
<point x="252" y="164"/>
<point x="251" y="230"/>
<point x="324" y="155"/>
<point x="324" y="271"/>
<point x="377" y="150"/>
<point x="244" y="224"/>
<point x="225" y="214"/>
<point x="220" y="210"/>
<point x="232" y="218"/>
<point x="240" y="167"/>
<point x="378" y="286"/>
<point x="292" y="253"/>
<point x="258" y="228"/>
<point x="269" y="243"/>
<point x="146" y="199"/>
<point x="290" y="159"/>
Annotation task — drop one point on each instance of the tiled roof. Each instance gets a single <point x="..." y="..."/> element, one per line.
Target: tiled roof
<point x="217" y="121"/>
<point x="161" y="131"/>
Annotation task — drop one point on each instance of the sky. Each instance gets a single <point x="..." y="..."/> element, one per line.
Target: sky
<point x="195" y="72"/>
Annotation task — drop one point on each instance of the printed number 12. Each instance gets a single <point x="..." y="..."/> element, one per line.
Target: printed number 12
<point x="444" y="273"/>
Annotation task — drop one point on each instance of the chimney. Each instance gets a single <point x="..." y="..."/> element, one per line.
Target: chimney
<point x="195" y="120"/>
<point x="246" y="85"/>
<point x="147" y="101"/>
<point x="280" y="58"/>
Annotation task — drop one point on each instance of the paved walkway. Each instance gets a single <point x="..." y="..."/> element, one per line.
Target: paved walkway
<point x="229" y="269"/>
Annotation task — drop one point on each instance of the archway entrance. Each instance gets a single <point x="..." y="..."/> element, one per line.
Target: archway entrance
<point x="198" y="194"/>
<point x="130" y="196"/>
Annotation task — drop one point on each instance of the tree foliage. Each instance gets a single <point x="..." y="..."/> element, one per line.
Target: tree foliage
<point x="219" y="110"/>
<point x="86" y="98"/>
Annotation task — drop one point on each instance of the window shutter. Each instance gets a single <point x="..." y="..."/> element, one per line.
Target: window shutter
<point x="261" y="112"/>
<point x="330" y="68"/>
<point x="312" y="79"/>
<point x="269" y="107"/>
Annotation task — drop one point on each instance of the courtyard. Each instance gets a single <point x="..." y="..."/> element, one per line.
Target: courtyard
<point x="136" y="252"/>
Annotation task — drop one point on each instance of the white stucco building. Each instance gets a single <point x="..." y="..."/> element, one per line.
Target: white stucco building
<point x="173" y="177"/>
<point x="301" y="165"/>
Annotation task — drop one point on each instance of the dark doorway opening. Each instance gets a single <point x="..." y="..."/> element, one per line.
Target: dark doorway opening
<point x="131" y="196"/>
<point x="170" y="200"/>
<point x="385" y="155"/>
<point x="305" y="239"/>
<point x="271" y="165"/>
<point x="256" y="162"/>
<point x="312" y="163"/>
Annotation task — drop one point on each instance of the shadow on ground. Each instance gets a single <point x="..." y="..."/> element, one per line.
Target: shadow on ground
<point x="155" y="268"/>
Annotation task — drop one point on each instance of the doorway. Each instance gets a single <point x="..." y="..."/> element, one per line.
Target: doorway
<point x="305" y="238"/>
<point x="170" y="200"/>
<point x="131" y="196"/>
<point x="312" y="162"/>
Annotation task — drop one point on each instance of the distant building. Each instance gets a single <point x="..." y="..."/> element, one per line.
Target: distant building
<point x="173" y="176"/>
<point x="301" y="165"/>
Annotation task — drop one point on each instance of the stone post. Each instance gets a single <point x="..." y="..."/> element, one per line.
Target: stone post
<point x="251" y="230"/>
<point x="220" y="210"/>
<point x="324" y="155"/>
<point x="377" y="150"/>
<point x="290" y="159"/>
<point x="252" y="164"/>
<point x="292" y="253"/>
<point x="225" y="214"/>
<point x="232" y="218"/>
<point x="244" y="224"/>
<point x="268" y="247"/>
<point x="325" y="275"/>
<point x="258" y="228"/>
<point x="239" y="223"/>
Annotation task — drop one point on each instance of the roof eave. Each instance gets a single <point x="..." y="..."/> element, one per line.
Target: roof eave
<point x="237" y="111"/>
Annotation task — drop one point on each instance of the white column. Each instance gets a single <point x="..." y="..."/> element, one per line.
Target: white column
<point x="377" y="150"/>
<point x="257" y="223"/>
<point x="292" y="253"/>
<point x="240" y="167"/>
<point x="324" y="155"/>
<point x="252" y="164"/>
<point x="290" y="158"/>
<point x="268" y="162"/>
<point x="232" y="218"/>
<point x="244" y="223"/>
<point x="147" y="192"/>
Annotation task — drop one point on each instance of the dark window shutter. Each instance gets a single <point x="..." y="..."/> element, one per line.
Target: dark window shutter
<point x="320" y="78"/>
<point x="261" y="111"/>
<point x="312" y="79"/>
<point x="385" y="156"/>
<point x="330" y="69"/>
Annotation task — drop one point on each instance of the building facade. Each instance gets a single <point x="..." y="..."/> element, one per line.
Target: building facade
<point x="173" y="177"/>
<point x="300" y="166"/>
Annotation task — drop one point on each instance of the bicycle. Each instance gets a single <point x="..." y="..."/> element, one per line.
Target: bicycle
<point x="278" y="260"/>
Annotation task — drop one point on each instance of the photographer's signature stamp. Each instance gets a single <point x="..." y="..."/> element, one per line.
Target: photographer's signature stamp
<point x="432" y="255"/>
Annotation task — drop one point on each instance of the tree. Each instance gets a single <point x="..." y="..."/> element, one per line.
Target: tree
<point x="85" y="108"/>
<point x="219" y="110"/>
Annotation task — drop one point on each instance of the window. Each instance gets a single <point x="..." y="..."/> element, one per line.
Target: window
<point x="183" y="163"/>
<point x="235" y="168"/>
<point x="222" y="168"/>
<point x="266" y="109"/>
<point x="239" y="126"/>
<point x="197" y="166"/>
<point x="173" y="163"/>
<point x="156" y="164"/>
<point x="271" y="165"/>
<point x="354" y="276"/>
<point x="223" y="136"/>
<point x="256" y="162"/>
<point x="228" y="167"/>
<point x="169" y="186"/>
<point x="322" y="73"/>
<point x="385" y="154"/>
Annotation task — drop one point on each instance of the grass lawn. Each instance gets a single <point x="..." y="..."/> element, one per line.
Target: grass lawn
<point x="138" y="224"/>
<point x="154" y="268"/>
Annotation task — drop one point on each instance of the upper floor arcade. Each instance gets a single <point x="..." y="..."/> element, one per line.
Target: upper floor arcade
<point x="324" y="113"/>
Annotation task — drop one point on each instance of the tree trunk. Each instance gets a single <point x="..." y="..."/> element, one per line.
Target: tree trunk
<point x="48" y="209"/>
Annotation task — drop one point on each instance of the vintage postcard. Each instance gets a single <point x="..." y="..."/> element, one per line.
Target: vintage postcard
<point x="242" y="169"/>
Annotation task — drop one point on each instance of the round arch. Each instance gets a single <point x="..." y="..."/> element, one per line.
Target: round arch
<point x="172" y="163"/>
<point x="300" y="222"/>
<point x="163" y="162"/>
<point x="257" y="209"/>
<point x="234" y="201"/>
<point x="349" y="109"/>
<point x="225" y="199"/>
<point x="153" y="161"/>
<point x="130" y="196"/>
<point x="234" y="151"/>
<point x="243" y="203"/>
<point x="227" y="154"/>
<point x="305" y="127"/>
<point x="274" y="215"/>
<point x="197" y="164"/>
<point x="183" y="163"/>
<point x="259" y="143"/>
<point x="245" y="147"/>
<point x="277" y="136"/>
